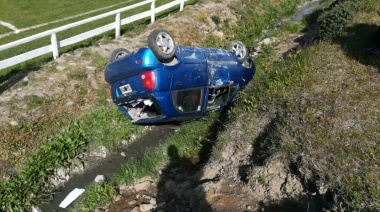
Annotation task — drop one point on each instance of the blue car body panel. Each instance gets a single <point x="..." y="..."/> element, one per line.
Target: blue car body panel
<point x="197" y="81"/>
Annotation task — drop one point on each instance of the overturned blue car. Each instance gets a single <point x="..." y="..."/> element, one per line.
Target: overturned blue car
<point x="165" y="82"/>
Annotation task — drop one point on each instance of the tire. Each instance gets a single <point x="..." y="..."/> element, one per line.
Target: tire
<point x="239" y="49"/>
<point x="162" y="44"/>
<point x="119" y="53"/>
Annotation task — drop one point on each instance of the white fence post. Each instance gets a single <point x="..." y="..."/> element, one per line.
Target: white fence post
<point x="54" y="45"/>
<point x="117" y="25"/>
<point x="152" y="7"/>
<point x="182" y="4"/>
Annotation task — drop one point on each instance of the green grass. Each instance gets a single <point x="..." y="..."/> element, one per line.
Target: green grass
<point x="4" y="29"/>
<point x="24" y="14"/>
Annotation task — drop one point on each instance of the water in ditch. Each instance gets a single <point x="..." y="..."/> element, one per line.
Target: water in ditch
<point x="110" y="165"/>
<point x="306" y="10"/>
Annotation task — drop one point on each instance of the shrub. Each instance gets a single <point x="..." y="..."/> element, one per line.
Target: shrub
<point x="335" y="20"/>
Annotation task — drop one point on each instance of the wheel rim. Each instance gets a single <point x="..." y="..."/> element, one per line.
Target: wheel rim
<point x="239" y="50"/>
<point x="165" y="43"/>
<point x="120" y="55"/>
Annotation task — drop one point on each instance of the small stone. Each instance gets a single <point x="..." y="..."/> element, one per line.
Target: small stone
<point x="90" y="68"/>
<point x="99" y="152"/>
<point x="136" y="209"/>
<point x="60" y="68"/>
<point x="100" y="179"/>
<point x="117" y="198"/>
<point x="322" y="190"/>
<point x="26" y="79"/>
<point x="146" y="207"/>
<point x="153" y="201"/>
<point x="36" y="209"/>
<point x="14" y="123"/>
<point x="123" y="154"/>
<point x="62" y="174"/>
<point x="123" y="188"/>
<point x="143" y="186"/>
<point x="133" y="202"/>
<point x="146" y="178"/>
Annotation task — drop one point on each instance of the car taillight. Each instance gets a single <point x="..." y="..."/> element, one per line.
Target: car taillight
<point x="148" y="79"/>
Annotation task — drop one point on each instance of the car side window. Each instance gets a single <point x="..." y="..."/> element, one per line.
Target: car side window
<point x="187" y="101"/>
<point x="219" y="95"/>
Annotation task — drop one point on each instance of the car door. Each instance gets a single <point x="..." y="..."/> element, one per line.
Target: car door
<point x="223" y="77"/>
<point x="189" y="82"/>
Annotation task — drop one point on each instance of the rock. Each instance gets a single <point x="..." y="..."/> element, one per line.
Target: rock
<point x="117" y="198"/>
<point x="136" y="209"/>
<point x="60" y="177"/>
<point x="99" y="152"/>
<point x="62" y="174"/>
<point x="266" y="41"/>
<point x="133" y="202"/>
<point x="146" y="207"/>
<point x="77" y="166"/>
<point x="90" y="68"/>
<point x="124" y="142"/>
<point x="146" y="178"/>
<point x="123" y="154"/>
<point x="143" y="186"/>
<point x="100" y="179"/>
<point x="26" y="79"/>
<point x="36" y="209"/>
<point x="99" y="210"/>
<point x="14" y="123"/>
<point x="322" y="190"/>
<point x="123" y="188"/>
<point x="153" y="201"/>
<point x="60" y="68"/>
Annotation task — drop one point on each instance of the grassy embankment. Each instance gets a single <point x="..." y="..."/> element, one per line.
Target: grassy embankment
<point x="326" y="101"/>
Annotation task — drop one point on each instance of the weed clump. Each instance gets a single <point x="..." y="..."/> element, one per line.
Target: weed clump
<point x="335" y="21"/>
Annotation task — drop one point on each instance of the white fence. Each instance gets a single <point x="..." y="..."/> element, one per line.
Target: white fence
<point x="55" y="44"/>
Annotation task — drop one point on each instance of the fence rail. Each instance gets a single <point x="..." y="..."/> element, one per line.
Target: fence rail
<point x="55" y="44"/>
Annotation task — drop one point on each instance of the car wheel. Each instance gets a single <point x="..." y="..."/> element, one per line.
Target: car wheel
<point x="239" y="49"/>
<point x="162" y="44"/>
<point x="119" y="53"/>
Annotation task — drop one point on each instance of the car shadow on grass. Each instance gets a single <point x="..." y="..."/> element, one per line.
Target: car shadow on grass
<point x="355" y="42"/>
<point x="264" y="148"/>
<point x="179" y="187"/>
